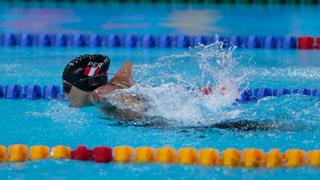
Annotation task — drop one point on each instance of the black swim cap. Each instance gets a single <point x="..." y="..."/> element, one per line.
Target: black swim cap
<point x="87" y="72"/>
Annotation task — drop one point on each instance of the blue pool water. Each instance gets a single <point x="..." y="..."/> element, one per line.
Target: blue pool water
<point x="203" y="19"/>
<point x="53" y="122"/>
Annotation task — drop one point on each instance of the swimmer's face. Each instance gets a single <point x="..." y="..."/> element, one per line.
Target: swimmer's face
<point x="76" y="96"/>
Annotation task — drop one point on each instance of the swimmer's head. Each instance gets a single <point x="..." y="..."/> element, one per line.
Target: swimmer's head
<point x="82" y="75"/>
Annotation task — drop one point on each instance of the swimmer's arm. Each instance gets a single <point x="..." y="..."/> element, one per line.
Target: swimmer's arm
<point x="123" y="114"/>
<point x="124" y="76"/>
<point x="122" y="79"/>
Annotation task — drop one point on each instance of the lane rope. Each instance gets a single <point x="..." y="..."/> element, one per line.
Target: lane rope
<point x="231" y="157"/>
<point x="54" y="92"/>
<point x="155" y="41"/>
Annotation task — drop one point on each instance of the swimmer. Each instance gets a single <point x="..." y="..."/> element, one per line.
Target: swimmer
<point x="85" y="83"/>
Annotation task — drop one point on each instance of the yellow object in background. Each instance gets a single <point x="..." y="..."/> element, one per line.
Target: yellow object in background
<point x="314" y="158"/>
<point x="144" y="154"/>
<point x="294" y="158"/>
<point x="274" y="158"/>
<point x="18" y="153"/>
<point x="122" y="153"/>
<point x="253" y="158"/>
<point x="61" y="152"/>
<point x="39" y="152"/>
<point x="187" y="156"/>
<point x="166" y="155"/>
<point x="3" y="153"/>
<point x="231" y="157"/>
<point x="208" y="157"/>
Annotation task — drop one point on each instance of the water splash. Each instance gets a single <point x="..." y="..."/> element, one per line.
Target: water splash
<point x="171" y="85"/>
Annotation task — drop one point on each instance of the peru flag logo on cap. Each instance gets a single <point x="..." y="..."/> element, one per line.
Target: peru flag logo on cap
<point x="92" y="69"/>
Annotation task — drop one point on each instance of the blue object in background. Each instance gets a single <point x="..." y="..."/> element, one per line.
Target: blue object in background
<point x="316" y="92"/>
<point x="51" y="92"/>
<point x="113" y="40"/>
<point x="1" y="92"/>
<point x="130" y="41"/>
<point x="289" y="42"/>
<point x="253" y="42"/>
<point x="165" y="41"/>
<point x="200" y="39"/>
<point x="10" y="39"/>
<point x="32" y="92"/>
<point x="271" y="42"/>
<point x="245" y="96"/>
<point x="182" y="41"/>
<point x="79" y="40"/>
<point x="302" y="91"/>
<point x="235" y="41"/>
<point x="26" y="40"/>
<point x="13" y="91"/>
<point x="262" y="93"/>
<point x="95" y="40"/>
<point x="45" y="40"/>
<point x="148" y="41"/>
<point x="61" y="40"/>
<point x="281" y="91"/>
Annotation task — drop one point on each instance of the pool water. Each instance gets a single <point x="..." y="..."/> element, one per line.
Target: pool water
<point x="50" y="123"/>
<point x="195" y="19"/>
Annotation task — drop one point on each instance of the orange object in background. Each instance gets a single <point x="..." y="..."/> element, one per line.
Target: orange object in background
<point x="3" y="153"/>
<point x="253" y="158"/>
<point x="314" y="158"/>
<point x="231" y="157"/>
<point x="187" y="156"/>
<point x="39" y="152"/>
<point x="274" y="158"/>
<point x="208" y="157"/>
<point x="294" y="157"/>
<point x="18" y="153"/>
<point x="122" y="154"/>
<point x="61" y="152"/>
<point x="144" y="154"/>
<point x="166" y="155"/>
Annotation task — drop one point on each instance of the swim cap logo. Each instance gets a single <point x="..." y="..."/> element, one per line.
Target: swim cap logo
<point x="92" y="69"/>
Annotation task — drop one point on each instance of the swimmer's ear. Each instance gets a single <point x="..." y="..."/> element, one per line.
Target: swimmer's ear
<point x="124" y="74"/>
